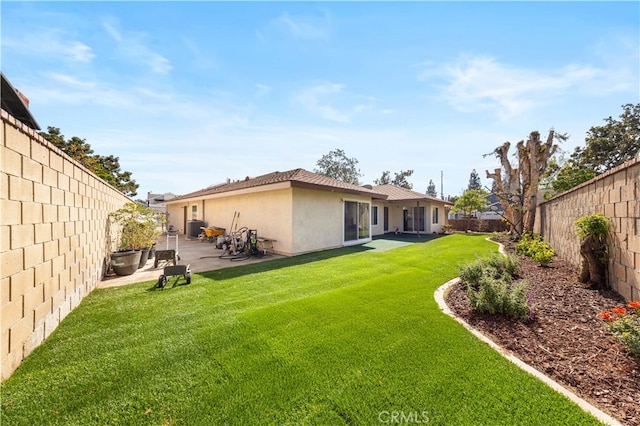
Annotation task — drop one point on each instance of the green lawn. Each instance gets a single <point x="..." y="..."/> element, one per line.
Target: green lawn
<point x="348" y="336"/>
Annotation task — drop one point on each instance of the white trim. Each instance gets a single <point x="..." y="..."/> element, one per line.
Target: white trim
<point x="357" y="240"/>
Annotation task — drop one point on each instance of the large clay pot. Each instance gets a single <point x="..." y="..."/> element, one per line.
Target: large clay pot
<point x="125" y="262"/>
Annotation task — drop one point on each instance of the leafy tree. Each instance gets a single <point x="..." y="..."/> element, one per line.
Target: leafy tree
<point x="431" y="189"/>
<point x="614" y="143"/>
<point x="400" y="179"/>
<point x="337" y="165"/>
<point x="471" y="200"/>
<point x="385" y="179"/>
<point x="474" y="180"/>
<point x="563" y="174"/>
<point x="106" y="168"/>
<point x="607" y="147"/>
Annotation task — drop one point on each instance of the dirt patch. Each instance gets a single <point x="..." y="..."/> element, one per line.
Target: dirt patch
<point x="566" y="340"/>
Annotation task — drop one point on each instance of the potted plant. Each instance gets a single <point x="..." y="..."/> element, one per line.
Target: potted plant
<point x="138" y="232"/>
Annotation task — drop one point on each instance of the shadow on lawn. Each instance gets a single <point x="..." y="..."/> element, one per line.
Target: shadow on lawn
<point x="375" y="245"/>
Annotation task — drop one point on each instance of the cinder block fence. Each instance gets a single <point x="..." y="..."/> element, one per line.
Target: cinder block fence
<point x="54" y="233"/>
<point x="616" y="195"/>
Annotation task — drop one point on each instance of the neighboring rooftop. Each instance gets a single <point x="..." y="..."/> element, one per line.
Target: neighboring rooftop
<point x="16" y="104"/>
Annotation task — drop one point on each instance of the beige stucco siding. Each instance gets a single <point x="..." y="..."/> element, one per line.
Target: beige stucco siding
<point x="435" y="227"/>
<point x="269" y="212"/>
<point x="379" y="228"/>
<point x="318" y="219"/>
<point x="395" y="217"/>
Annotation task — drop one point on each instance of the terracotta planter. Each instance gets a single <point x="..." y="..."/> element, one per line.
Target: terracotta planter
<point x="125" y="262"/>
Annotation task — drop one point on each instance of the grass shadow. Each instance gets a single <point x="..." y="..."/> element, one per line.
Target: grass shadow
<point x="253" y="268"/>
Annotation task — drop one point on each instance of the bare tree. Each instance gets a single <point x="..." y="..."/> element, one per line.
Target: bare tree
<point x="518" y="189"/>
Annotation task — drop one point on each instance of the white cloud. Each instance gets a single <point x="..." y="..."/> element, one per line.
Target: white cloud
<point x="311" y="98"/>
<point x="304" y="27"/>
<point x="262" y="90"/>
<point x="332" y="102"/>
<point x="477" y="83"/>
<point x="52" y="43"/>
<point x="132" y="46"/>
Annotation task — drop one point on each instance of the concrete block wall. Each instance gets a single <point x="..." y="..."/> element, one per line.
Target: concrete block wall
<point x="616" y="195"/>
<point x="53" y="238"/>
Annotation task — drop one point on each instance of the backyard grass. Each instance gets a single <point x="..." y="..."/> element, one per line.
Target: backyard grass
<point x="347" y="336"/>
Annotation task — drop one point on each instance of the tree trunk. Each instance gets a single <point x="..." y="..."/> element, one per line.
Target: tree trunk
<point x="593" y="269"/>
<point x="534" y="158"/>
<point x="500" y="193"/>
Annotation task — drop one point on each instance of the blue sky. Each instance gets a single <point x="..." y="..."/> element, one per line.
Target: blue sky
<point x="188" y="94"/>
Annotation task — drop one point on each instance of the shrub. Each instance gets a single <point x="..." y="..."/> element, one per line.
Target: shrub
<point x="532" y="245"/>
<point x="498" y="267"/>
<point x="595" y="224"/>
<point x="542" y="252"/>
<point x="490" y="287"/>
<point x="523" y="246"/>
<point x="624" y="323"/>
<point x="495" y="296"/>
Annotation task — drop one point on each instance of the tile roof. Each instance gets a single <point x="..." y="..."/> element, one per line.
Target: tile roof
<point x="396" y="193"/>
<point x="297" y="177"/>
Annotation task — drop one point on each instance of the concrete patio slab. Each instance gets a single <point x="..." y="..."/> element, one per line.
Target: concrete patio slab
<point x="202" y="256"/>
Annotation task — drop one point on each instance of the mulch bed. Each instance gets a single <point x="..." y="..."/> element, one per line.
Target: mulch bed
<point x="566" y="340"/>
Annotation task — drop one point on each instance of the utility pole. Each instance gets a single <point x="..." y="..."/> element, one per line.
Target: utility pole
<point x="441" y="184"/>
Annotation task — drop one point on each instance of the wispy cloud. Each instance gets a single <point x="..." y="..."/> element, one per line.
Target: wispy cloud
<point x="314" y="100"/>
<point x="331" y="101"/>
<point x="133" y="47"/>
<point x="262" y="90"/>
<point x="304" y="27"/>
<point x="51" y="43"/>
<point x="477" y="83"/>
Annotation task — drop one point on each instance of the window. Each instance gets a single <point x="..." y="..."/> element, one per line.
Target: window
<point x="374" y="215"/>
<point x="357" y="219"/>
<point x="194" y="212"/>
<point x="434" y="213"/>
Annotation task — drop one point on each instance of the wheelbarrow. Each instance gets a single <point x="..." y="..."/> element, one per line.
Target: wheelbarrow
<point x="174" y="270"/>
<point x="210" y="233"/>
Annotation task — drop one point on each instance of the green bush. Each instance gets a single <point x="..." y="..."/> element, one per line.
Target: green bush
<point x="542" y="252"/>
<point x="495" y="296"/>
<point x="595" y="224"/>
<point x="496" y="266"/>
<point x="532" y="245"/>
<point x="490" y="287"/>
<point x="527" y="239"/>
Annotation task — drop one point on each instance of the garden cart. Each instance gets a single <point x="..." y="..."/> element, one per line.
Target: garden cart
<point x="168" y="255"/>
<point x="175" y="270"/>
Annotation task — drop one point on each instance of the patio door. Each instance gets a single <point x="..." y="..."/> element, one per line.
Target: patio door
<point x="357" y="221"/>
<point x="413" y="219"/>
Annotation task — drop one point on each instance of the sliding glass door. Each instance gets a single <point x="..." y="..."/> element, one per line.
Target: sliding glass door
<point x="357" y="221"/>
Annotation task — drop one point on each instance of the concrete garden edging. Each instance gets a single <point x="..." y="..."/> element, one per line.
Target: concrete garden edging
<point x="439" y="296"/>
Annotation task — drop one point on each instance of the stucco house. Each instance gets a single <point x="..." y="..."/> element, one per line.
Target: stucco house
<point x="304" y="211"/>
<point x="407" y="211"/>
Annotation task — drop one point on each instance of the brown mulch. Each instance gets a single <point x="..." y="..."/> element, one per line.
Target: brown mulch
<point x="566" y="340"/>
